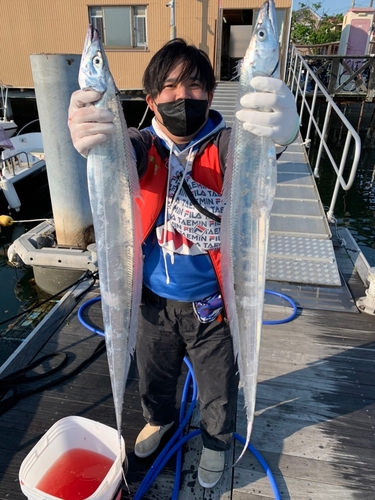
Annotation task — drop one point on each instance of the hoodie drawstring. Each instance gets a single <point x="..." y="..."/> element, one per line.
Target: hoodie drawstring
<point x="188" y="165"/>
<point x="167" y="279"/>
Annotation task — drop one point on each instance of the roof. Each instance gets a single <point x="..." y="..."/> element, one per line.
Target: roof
<point x="301" y="11"/>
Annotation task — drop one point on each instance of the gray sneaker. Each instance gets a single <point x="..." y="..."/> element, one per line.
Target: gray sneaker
<point x="149" y="439"/>
<point x="211" y="467"/>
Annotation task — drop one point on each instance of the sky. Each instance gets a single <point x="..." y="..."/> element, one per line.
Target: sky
<point x="332" y="7"/>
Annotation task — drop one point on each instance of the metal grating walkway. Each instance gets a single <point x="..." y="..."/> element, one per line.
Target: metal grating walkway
<point x="225" y="100"/>
<point x="300" y="249"/>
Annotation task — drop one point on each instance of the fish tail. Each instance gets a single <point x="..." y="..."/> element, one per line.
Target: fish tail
<point x="124" y="478"/>
<point x="249" y="430"/>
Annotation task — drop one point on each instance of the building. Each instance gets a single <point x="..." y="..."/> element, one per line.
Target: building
<point x="357" y="31"/>
<point x="307" y="13"/>
<point x="132" y="31"/>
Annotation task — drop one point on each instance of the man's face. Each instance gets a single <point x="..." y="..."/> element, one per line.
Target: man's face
<point x="189" y="88"/>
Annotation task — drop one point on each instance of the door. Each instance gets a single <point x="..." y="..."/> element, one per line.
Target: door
<point x="358" y="37"/>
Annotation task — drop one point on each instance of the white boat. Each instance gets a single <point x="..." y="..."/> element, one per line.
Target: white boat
<point x="21" y="160"/>
<point x="8" y="125"/>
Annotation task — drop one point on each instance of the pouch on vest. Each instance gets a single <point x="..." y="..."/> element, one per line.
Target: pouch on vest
<point x="208" y="309"/>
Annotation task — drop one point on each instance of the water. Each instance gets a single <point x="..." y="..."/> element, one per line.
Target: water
<point x="355" y="209"/>
<point x="18" y="290"/>
<point x="77" y="474"/>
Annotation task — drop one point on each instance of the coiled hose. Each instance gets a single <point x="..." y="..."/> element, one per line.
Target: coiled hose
<point x="177" y="440"/>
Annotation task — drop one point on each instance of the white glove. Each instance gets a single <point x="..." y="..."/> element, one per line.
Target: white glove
<point x="88" y="125"/>
<point x="271" y="111"/>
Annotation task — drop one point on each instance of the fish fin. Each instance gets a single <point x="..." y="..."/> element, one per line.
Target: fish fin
<point x="138" y="259"/>
<point x="237" y="70"/>
<point x="227" y="264"/>
<point x="134" y="178"/>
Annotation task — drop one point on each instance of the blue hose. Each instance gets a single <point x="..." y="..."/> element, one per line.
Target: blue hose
<point x="281" y="321"/>
<point x="263" y="463"/>
<point x="170" y="449"/>
<point x="143" y="489"/>
<point x="86" y="325"/>
<point x="168" y="452"/>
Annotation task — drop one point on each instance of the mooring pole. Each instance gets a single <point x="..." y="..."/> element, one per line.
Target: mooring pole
<point x="360" y="117"/>
<point x="55" y="79"/>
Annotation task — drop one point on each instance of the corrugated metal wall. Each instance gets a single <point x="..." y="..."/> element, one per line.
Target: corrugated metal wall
<point x="59" y="26"/>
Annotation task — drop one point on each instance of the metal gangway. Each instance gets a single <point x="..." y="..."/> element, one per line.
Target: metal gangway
<point x="300" y="249"/>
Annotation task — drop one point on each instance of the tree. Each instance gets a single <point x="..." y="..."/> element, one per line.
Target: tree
<point x="308" y="29"/>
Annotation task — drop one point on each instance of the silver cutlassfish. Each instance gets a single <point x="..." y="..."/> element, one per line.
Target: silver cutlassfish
<point x="113" y="187"/>
<point x="248" y="193"/>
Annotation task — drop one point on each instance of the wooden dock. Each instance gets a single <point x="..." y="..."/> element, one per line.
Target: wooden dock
<point x="315" y="413"/>
<point x="315" y="409"/>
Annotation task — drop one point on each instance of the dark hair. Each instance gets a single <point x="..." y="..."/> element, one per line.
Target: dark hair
<point x="194" y="62"/>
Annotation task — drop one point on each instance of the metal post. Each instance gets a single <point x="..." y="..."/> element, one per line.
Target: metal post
<point x="322" y="139"/>
<point x="55" y="79"/>
<point x="288" y="82"/>
<point x="303" y="97"/>
<point x="294" y="77"/>
<point x="312" y="110"/>
<point x="330" y="215"/>
<point x="298" y="83"/>
<point x="171" y="4"/>
<point x="219" y="42"/>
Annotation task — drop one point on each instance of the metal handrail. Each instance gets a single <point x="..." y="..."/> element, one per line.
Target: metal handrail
<point x="27" y="124"/>
<point x="297" y="64"/>
<point x="4" y="99"/>
<point x="10" y="162"/>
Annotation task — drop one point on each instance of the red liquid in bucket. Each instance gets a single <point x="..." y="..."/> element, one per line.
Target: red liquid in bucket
<point x="77" y="474"/>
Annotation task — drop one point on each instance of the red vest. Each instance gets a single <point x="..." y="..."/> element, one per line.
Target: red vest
<point x="206" y="170"/>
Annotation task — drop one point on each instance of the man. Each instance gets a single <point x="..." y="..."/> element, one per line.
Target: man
<point x="179" y="158"/>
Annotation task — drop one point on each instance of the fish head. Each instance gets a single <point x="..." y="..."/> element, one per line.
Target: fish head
<point x="94" y="70"/>
<point x="262" y="55"/>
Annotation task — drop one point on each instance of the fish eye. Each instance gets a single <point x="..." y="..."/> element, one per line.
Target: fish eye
<point x="97" y="60"/>
<point x="262" y="34"/>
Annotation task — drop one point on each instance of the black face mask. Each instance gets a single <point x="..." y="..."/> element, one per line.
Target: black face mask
<point x="183" y="117"/>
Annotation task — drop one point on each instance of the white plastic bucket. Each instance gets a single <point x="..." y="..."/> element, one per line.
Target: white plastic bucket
<point x="66" y="434"/>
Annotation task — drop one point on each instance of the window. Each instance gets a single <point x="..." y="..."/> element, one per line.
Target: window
<point x="120" y="26"/>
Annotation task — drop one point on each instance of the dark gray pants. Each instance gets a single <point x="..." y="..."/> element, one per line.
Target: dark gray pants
<point x="169" y="330"/>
